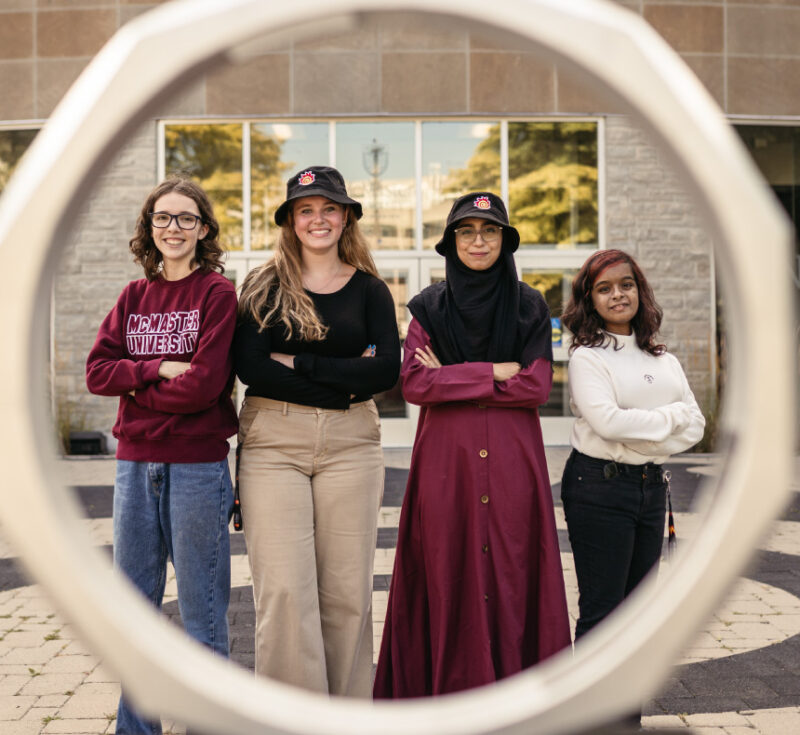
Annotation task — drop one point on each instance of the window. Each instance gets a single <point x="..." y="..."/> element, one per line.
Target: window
<point x="406" y="174"/>
<point x="457" y="157"/>
<point x="13" y="143"/>
<point x="552" y="188"/>
<point x="278" y="150"/>
<point x="212" y="156"/>
<point x="377" y="162"/>
<point x="555" y="286"/>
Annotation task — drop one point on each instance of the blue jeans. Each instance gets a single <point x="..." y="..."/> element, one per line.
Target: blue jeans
<point x="180" y="512"/>
<point x="615" y="518"/>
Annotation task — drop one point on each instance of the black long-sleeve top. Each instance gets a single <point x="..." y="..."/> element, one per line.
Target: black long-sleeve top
<point x="328" y="372"/>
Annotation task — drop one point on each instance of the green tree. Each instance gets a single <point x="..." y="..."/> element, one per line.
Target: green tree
<point x="13" y="144"/>
<point x="212" y="156"/>
<point x="552" y="170"/>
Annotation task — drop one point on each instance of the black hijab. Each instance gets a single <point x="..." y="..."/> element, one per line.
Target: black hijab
<point x="483" y="316"/>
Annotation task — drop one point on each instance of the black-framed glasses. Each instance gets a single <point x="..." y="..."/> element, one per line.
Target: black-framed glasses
<point x="489" y="234"/>
<point x="185" y="220"/>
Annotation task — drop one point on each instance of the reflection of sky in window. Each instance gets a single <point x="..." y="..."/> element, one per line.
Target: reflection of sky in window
<point x="449" y="145"/>
<point x="397" y="140"/>
<point x="302" y="144"/>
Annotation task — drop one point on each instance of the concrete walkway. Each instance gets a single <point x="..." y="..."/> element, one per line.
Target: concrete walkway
<point x="740" y="677"/>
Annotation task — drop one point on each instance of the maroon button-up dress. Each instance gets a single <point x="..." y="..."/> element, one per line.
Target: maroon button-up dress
<point x="477" y="592"/>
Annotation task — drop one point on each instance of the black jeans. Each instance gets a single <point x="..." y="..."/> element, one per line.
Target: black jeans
<point x="615" y="518"/>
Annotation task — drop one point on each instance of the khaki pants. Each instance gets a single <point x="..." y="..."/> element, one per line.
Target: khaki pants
<point x="311" y="485"/>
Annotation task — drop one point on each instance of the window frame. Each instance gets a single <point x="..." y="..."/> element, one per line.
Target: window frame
<point x="546" y="252"/>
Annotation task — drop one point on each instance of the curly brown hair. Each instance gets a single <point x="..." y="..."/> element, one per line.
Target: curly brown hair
<point x="274" y="292"/>
<point x="581" y="318"/>
<point x="208" y="252"/>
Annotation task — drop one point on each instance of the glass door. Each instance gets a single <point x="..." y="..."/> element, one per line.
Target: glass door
<point x="398" y="418"/>
<point x="552" y="277"/>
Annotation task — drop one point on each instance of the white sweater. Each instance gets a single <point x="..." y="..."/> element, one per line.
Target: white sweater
<point x="631" y="406"/>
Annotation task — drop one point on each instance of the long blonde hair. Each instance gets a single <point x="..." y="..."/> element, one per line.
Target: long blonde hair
<point x="274" y="292"/>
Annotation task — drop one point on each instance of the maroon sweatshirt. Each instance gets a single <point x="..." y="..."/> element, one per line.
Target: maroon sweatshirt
<point x="188" y="418"/>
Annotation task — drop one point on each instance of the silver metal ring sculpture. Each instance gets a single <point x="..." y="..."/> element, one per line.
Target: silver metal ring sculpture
<point x="620" y="663"/>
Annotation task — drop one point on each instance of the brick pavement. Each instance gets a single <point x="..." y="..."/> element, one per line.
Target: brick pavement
<point x="740" y="677"/>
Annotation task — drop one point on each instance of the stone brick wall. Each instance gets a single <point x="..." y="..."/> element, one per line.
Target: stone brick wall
<point x="649" y="215"/>
<point x="746" y="53"/>
<point x="93" y="271"/>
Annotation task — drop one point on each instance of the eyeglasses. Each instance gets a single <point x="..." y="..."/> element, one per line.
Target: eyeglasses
<point x="185" y="221"/>
<point x="490" y="234"/>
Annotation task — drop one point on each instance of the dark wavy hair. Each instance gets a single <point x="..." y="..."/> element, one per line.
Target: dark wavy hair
<point x="208" y="252"/>
<point x="581" y="318"/>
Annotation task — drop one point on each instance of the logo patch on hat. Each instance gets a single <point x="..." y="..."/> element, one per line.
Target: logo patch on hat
<point x="482" y="203"/>
<point x="306" y="178"/>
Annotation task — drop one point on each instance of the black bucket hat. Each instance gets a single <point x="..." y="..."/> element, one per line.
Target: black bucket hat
<point x="322" y="181"/>
<point x="481" y="204"/>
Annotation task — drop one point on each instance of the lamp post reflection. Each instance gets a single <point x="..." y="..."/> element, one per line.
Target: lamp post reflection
<point x="375" y="159"/>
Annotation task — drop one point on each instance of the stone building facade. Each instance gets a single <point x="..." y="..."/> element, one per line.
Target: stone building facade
<point x="394" y="69"/>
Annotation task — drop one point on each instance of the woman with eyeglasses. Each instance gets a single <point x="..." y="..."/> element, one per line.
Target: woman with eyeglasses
<point x="165" y="351"/>
<point x="477" y="592"/>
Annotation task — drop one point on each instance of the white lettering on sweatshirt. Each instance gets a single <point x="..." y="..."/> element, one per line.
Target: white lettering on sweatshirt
<point x="170" y="333"/>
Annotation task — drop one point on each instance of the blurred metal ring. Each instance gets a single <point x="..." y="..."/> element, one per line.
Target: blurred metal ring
<point x="624" y="659"/>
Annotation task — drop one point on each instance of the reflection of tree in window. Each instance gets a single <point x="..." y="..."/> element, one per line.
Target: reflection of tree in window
<point x="550" y="285"/>
<point x="13" y="143"/>
<point x="552" y="169"/>
<point x="267" y="174"/>
<point x="212" y="156"/>
<point x="482" y="170"/>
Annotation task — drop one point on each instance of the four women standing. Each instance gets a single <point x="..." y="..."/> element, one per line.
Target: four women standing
<point x="477" y="592"/>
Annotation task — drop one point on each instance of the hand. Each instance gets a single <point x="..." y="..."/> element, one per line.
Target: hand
<point x="505" y="370"/>
<point x="169" y="369"/>
<point x="283" y="359"/>
<point x="426" y="357"/>
<point x="369" y="351"/>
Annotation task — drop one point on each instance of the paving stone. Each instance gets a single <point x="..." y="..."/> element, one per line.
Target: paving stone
<point x="52" y="684"/>
<point x="662" y="722"/>
<point x="34" y="656"/>
<point x="21" y="727"/>
<point x="52" y="700"/>
<point x="716" y="719"/>
<point x="674" y="687"/>
<point x="91" y="701"/>
<point x="12" y="683"/>
<point x="776" y="722"/>
<point x="13" y="707"/>
<point x="39" y="714"/>
<point x="23" y="639"/>
<point x="101" y="675"/>
<point x="76" y="648"/>
<point x="744" y="688"/>
<point x="66" y="664"/>
<point x="710" y="703"/>
<point x="12" y="669"/>
<point x="64" y="726"/>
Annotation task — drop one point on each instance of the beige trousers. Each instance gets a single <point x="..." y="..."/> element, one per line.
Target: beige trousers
<point x="311" y="485"/>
